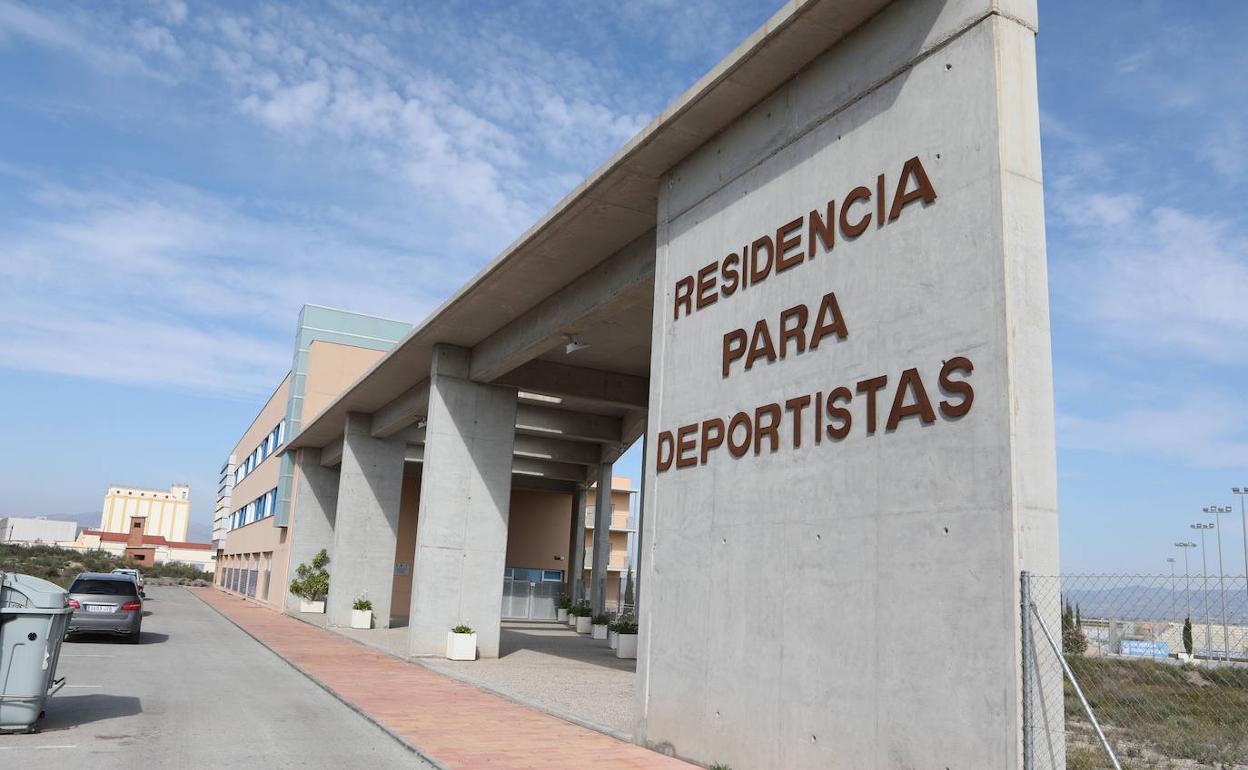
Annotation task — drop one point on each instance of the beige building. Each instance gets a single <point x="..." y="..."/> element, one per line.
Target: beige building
<point x="251" y="525"/>
<point x="165" y="512"/>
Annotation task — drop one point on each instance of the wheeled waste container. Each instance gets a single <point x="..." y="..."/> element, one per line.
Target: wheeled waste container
<point x="33" y="619"/>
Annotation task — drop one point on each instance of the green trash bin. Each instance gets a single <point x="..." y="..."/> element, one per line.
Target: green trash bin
<point x="33" y="619"/>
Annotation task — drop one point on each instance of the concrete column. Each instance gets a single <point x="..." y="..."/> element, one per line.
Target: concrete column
<point x="465" y="498"/>
<point x="577" y="562"/>
<point x="365" y="532"/>
<point x="641" y="527"/>
<point x="602" y="537"/>
<point x="312" y="513"/>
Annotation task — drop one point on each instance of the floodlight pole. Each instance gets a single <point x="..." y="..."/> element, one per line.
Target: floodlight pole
<point x="1187" y="576"/>
<point x="1243" y="514"/>
<point x="1204" y="574"/>
<point x="1217" y="512"/>
<point x="1173" y="604"/>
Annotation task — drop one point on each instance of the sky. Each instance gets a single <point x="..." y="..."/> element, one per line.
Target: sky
<point x="177" y="178"/>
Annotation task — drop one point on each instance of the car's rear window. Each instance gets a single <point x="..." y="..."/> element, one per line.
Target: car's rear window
<point x="97" y="586"/>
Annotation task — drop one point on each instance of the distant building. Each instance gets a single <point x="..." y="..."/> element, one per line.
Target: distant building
<point x="143" y="550"/>
<point x="163" y="512"/>
<point x="37" y="531"/>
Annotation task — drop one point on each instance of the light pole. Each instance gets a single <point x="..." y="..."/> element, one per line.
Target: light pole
<point x="1173" y="604"/>
<point x="1187" y="577"/>
<point x="1243" y="515"/>
<point x="1217" y="511"/>
<point x="1204" y="572"/>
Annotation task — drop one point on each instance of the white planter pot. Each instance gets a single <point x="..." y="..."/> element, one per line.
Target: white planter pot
<point x="600" y="631"/>
<point x="613" y="639"/>
<point x="561" y="616"/>
<point x="461" y="646"/>
<point x="572" y="621"/>
<point x="361" y="618"/>
<point x="583" y="625"/>
<point x="627" y="647"/>
<point x="307" y="606"/>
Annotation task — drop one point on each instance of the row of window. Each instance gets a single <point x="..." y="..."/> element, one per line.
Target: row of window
<point x="262" y="507"/>
<point x="267" y="447"/>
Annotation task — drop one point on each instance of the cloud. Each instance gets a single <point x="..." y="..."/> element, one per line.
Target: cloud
<point x="1202" y="428"/>
<point x="145" y="280"/>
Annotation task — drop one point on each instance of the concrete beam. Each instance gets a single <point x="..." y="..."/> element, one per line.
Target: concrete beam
<point x="403" y="411"/>
<point x="523" y="466"/>
<point x="573" y="426"/>
<point x="542" y="448"/>
<point x="332" y="455"/>
<point x="595" y="294"/>
<point x="415" y="453"/>
<point x="554" y="379"/>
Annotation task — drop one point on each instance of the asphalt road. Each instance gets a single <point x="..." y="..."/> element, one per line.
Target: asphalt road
<point x="196" y="692"/>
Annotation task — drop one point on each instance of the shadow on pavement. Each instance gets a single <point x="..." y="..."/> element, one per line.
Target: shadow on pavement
<point x="64" y="711"/>
<point x="103" y="637"/>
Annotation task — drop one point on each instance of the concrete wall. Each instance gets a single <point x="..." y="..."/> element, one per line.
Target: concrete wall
<point x="903" y="543"/>
<point x="537" y="529"/>
<point x="25" y="530"/>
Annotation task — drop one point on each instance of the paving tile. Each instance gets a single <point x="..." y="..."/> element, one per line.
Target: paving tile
<point x="453" y="722"/>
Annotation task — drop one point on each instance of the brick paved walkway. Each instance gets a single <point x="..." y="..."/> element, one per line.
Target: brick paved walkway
<point x="449" y="721"/>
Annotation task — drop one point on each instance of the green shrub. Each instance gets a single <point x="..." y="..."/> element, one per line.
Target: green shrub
<point x="627" y="624"/>
<point x="601" y="619"/>
<point x="563" y="603"/>
<point x="362" y="604"/>
<point x="462" y="629"/>
<point x="312" y="581"/>
<point x="581" y="610"/>
<point x="1187" y="636"/>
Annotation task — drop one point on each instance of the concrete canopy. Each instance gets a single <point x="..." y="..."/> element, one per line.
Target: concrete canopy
<point x="611" y="215"/>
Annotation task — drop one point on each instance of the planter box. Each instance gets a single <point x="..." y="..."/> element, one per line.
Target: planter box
<point x="613" y="640"/>
<point x="361" y="618"/>
<point x="307" y="606"/>
<point x="583" y="625"/>
<point x="561" y="616"/>
<point x="461" y="646"/>
<point x="572" y="621"/>
<point x="627" y="647"/>
<point x="600" y="631"/>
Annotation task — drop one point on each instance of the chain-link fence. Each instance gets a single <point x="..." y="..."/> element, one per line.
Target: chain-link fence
<point x="1152" y="673"/>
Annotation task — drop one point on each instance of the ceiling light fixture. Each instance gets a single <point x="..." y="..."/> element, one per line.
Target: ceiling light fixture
<point x="574" y="344"/>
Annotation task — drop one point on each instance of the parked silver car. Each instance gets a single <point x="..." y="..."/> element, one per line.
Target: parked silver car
<point x="134" y="573"/>
<point x="107" y="604"/>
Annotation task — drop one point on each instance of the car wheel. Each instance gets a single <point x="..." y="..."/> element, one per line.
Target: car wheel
<point x="134" y="639"/>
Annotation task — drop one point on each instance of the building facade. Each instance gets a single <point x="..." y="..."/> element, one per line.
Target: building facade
<point x="37" y="531"/>
<point x="250" y="527"/>
<point x="165" y="512"/>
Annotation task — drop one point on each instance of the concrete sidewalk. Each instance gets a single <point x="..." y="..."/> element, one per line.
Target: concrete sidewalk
<point x="446" y="721"/>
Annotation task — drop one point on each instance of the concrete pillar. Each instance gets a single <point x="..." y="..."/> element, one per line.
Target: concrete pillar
<point x="366" y="530"/>
<point x="577" y="562"/>
<point x="313" y="512"/>
<point x="465" y="497"/>
<point x="641" y="527"/>
<point x="602" y="537"/>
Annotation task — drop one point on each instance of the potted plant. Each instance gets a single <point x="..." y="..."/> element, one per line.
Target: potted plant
<point x="362" y="613"/>
<point x="573" y="608"/>
<point x="626" y="646"/>
<point x="613" y="634"/>
<point x="600" y="623"/>
<point x="584" y="620"/>
<point x="562" y="605"/>
<point x="311" y="583"/>
<point x="461" y="643"/>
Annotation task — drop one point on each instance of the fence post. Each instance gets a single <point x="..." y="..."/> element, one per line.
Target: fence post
<point x="1028" y="649"/>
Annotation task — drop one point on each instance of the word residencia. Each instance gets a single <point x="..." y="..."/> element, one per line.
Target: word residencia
<point x="820" y="415"/>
